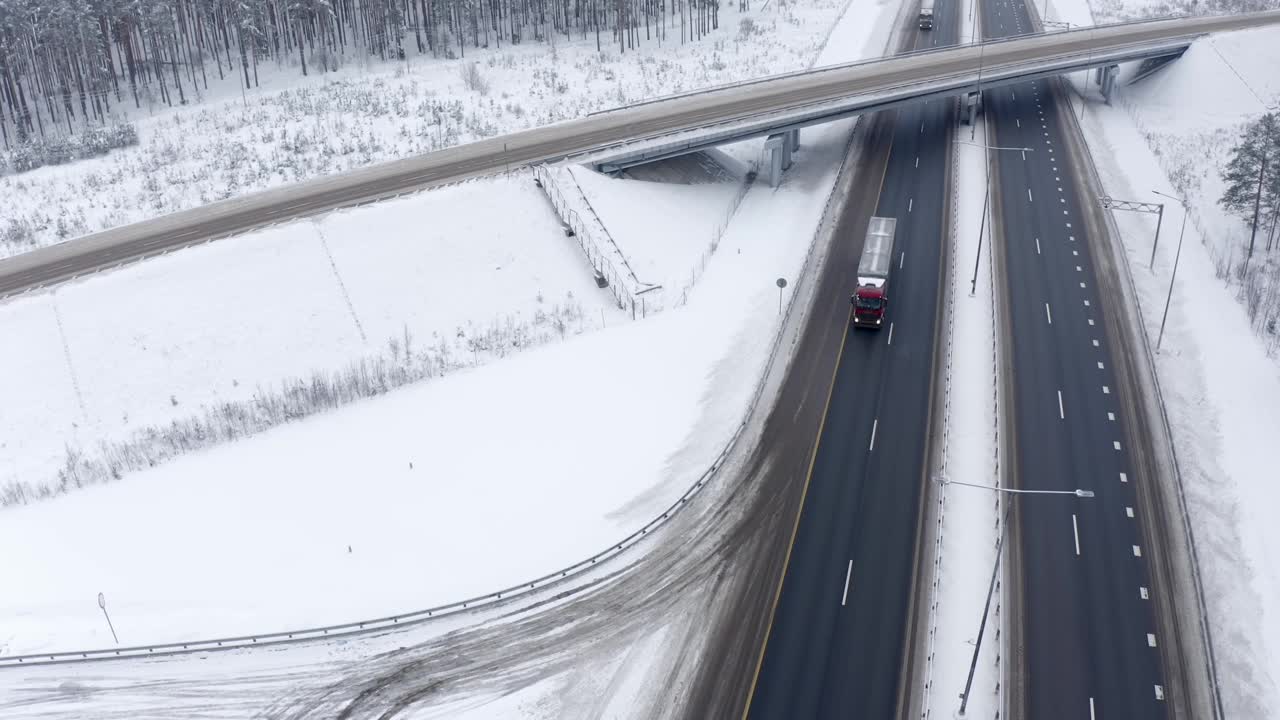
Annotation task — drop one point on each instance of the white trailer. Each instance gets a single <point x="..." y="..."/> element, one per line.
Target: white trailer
<point x="872" y="294"/>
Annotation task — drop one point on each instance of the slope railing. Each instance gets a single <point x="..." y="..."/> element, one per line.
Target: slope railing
<point x="603" y="263"/>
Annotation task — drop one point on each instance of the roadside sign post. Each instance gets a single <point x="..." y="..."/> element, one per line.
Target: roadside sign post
<point x="782" y="282"/>
<point x="102" y="603"/>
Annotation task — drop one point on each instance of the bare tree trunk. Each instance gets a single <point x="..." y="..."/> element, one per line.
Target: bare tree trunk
<point x="1257" y="202"/>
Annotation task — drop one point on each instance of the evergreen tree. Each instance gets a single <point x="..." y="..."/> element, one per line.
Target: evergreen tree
<point x="1253" y="175"/>
<point x="65" y="63"/>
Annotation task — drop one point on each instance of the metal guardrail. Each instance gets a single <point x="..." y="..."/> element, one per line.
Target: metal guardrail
<point x="637" y="283"/>
<point x="814" y="70"/>
<point x="623" y="290"/>
<point x="391" y="622"/>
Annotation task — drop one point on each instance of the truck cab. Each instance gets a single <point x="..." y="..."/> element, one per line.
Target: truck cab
<point x="869" y="305"/>
<point x="926" y="14"/>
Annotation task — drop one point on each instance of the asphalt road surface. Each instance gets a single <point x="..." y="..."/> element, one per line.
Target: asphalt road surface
<point x="1088" y="625"/>
<point x="837" y="642"/>
<point x="554" y="142"/>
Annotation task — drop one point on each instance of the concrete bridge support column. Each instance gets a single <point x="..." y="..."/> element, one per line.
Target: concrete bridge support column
<point x="1108" y="80"/>
<point x="972" y="102"/>
<point x="793" y="139"/>
<point x="774" y="148"/>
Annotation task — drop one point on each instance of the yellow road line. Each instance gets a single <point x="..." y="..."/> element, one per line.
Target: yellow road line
<point x="795" y="530"/>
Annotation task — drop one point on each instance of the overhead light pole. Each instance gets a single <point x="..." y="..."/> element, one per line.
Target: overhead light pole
<point x="982" y="224"/>
<point x="1185" y="211"/>
<point x="995" y="571"/>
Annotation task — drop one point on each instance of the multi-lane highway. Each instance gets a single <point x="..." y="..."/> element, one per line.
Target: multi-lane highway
<point x="949" y="70"/>
<point x="840" y="593"/>
<point x="836" y="643"/>
<point x="1089" y="645"/>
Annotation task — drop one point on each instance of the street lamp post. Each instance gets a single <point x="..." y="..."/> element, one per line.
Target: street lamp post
<point x="995" y="571"/>
<point x="982" y="225"/>
<point x="1176" y="257"/>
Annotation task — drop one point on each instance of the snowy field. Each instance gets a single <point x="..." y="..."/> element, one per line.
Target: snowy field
<point x="299" y="128"/>
<point x="123" y="354"/>
<point x="106" y="357"/>
<point x="475" y="463"/>
<point x="1110" y="11"/>
<point x="368" y="496"/>
<point x="1222" y="390"/>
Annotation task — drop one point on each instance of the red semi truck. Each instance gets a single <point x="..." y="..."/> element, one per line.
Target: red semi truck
<point x="872" y="296"/>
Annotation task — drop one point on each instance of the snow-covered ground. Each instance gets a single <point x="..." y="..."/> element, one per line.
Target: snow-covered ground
<point x="967" y="533"/>
<point x="108" y="356"/>
<point x="491" y="452"/>
<point x="1171" y="133"/>
<point x="442" y="489"/>
<point x="297" y="128"/>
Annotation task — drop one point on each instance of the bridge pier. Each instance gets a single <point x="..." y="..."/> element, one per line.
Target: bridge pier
<point x="774" y="148"/>
<point x="972" y="102"/>
<point x="780" y="149"/>
<point x="1107" y="79"/>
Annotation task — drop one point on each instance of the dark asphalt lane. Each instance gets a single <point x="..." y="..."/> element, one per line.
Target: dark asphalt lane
<point x="1087" y="652"/>
<point x="837" y="638"/>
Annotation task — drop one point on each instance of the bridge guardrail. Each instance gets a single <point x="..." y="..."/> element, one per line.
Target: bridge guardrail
<point x="812" y="70"/>
<point x="992" y="71"/>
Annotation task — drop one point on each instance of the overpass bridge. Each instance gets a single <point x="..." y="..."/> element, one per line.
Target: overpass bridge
<point x="642" y="133"/>
<point x="885" y="83"/>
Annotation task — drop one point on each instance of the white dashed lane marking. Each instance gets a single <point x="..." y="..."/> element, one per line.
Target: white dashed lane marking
<point x="1075" y="530"/>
